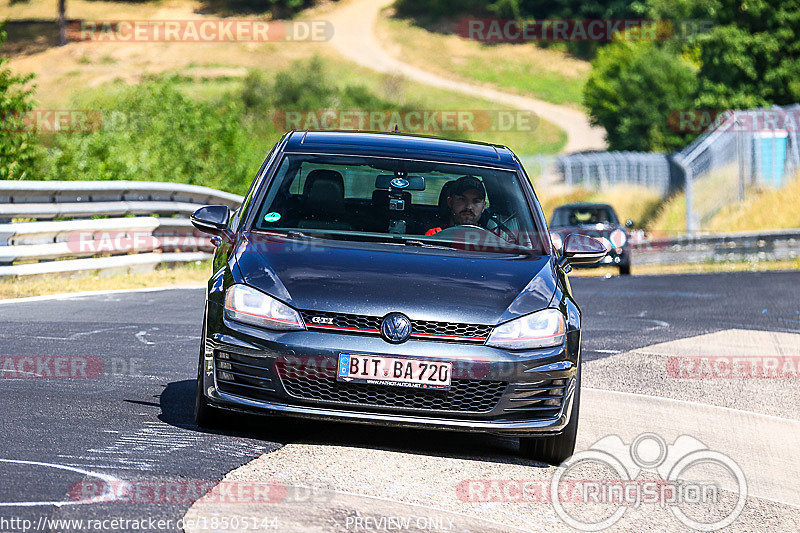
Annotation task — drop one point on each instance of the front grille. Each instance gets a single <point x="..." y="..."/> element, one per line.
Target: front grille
<point x="464" y="395"/>
<point x="315" y="381"/>
<point x="243" y="375"/>
<point x="420" y="329"/>
<point x="538" y="399"/>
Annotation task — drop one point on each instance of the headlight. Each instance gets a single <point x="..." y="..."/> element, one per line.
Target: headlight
<point x="538" y="330"/>
<point x="617" y="238"/>
<point x="251" y="306"/>
<point x="555" y="238"/>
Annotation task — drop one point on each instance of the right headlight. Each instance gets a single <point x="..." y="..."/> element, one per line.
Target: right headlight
<point x="542" y="329"/>
<point x="251" y="306"/>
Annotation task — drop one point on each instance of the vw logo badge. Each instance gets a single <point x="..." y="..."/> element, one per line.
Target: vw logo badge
<point x="399" y="183"/>
<point x="396" y="328"/>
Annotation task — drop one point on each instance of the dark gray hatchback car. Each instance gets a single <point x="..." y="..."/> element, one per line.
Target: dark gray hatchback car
<point x="392" y="279"/>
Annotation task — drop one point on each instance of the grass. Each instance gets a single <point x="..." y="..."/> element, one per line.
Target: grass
<point x="716" y="199"/>
<point x="183" y="275"/>
<point x="547" y="74"/>
<point x="199" y="84"/>
<point x="692" y="268"/>
<point x="762" y="209"/>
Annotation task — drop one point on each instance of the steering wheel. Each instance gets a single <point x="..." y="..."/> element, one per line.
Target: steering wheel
<point x="500" y="224"/>
<point x="452" y="231"/>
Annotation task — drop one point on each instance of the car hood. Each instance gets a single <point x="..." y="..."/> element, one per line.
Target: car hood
<point x="376" y="279"/>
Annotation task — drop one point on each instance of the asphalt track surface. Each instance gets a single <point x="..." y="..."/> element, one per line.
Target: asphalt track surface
<point x="130" y="419"/>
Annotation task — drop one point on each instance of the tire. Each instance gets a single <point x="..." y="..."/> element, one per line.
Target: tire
<point x="205" y="416"/>
<point x="556" y="449"/>
<point x="625" y="269"/>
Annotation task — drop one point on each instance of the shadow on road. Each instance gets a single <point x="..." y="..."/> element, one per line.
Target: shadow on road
<point x="177" y="409"/>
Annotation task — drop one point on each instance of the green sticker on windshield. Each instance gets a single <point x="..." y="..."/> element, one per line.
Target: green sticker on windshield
<point x="272" y="217"/>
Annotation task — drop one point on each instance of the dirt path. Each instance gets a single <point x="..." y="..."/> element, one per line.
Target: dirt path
<point x="354" y="38"/>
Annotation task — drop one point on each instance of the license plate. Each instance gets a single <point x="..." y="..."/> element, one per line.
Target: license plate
<point x="395" y="371"/>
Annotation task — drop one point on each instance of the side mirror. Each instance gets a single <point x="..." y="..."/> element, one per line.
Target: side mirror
<point x="213" y="219"/>
<point x="581" y="249"/>
<point x="629" y="223"/>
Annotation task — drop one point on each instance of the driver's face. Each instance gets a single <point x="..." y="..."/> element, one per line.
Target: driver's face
<point x="466" y="208"/>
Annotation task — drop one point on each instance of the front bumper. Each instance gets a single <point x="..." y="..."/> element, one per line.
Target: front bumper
<point x="250" y="369"/>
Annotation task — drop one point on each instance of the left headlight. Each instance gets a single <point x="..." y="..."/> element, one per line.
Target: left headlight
<point x="251" y="306"/>
<point x="542" y="329"/>
<point x="617" y="238"/>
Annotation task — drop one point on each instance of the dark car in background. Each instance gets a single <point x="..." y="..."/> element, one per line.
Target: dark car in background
<point x="599" y="221"/>
<point x="342" y="291"/>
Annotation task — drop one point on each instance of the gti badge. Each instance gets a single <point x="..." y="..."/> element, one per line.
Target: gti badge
<point x="396" y="328"/>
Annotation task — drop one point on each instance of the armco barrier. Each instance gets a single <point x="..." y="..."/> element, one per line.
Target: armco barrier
<point x="765" y="245"/>
<point x="126" y="241"/>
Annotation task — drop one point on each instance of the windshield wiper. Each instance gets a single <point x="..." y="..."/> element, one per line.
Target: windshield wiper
<point x="421" y="244"/>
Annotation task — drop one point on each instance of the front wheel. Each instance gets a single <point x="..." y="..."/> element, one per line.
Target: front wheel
<point x="556" y="449"/>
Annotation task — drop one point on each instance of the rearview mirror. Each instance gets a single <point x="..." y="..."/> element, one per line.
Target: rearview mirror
<point x="411" y="183"/>
<point x="213" y="219"/>
<point x="581" y="249"/>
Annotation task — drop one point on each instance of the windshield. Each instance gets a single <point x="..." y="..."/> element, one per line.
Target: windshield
<point x="399" y="201"/>
<point x="583" y="215"/>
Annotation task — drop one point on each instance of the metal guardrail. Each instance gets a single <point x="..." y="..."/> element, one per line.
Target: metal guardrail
<point x="120" y="243"/>
<point x="766" y="245"/>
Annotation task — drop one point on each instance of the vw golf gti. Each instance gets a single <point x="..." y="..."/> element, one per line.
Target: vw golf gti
<point x="394" y="279"/>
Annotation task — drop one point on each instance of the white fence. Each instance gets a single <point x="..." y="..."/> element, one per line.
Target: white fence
<point x="757" y="147"/>
<point x="600" y="170"/>
<point x="741" y="150"/>
<point x="143" y="224"/>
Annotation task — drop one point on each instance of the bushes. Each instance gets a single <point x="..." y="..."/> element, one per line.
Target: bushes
<point x="152" y="131"/>
<point x="306" y="86"/>
<point x="17" y="145"/>
<point x="277" y="8"/>
<point x="632" y="90"/>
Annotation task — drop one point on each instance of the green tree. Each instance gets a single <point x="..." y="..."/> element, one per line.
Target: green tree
<point x="751" y="57"/>
<point x="633" y="89"/>
<point x="17" y="139"/>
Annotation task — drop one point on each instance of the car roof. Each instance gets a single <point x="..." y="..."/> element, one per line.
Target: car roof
<point x="400" y="145"/>
<point x="584" y="205"/>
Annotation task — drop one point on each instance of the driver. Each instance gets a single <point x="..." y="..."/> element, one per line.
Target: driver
<point x="466" y="203"/>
